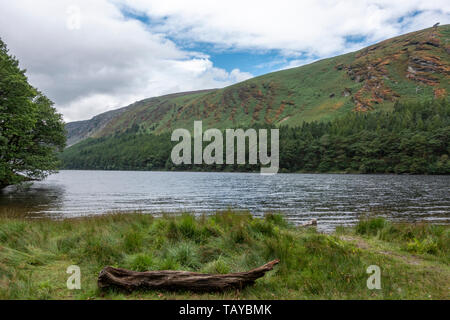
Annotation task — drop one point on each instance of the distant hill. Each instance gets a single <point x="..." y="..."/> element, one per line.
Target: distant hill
<point x="80" y="130"/>
<point x="414" y="66"/>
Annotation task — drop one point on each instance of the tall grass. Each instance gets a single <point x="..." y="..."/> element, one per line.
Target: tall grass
<point x="34" y="255"/>
<point x="418" y="238"/>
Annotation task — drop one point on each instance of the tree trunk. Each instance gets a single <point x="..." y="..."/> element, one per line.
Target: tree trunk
<point x="130" y="281"/>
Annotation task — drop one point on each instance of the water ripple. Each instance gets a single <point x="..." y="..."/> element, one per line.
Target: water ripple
<point x="330" y="198"/>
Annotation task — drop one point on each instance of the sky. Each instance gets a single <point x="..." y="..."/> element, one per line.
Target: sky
<point x="91" y="56"/>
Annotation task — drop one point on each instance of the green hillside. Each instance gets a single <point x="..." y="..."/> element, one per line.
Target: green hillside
<point x="412" y="138"/>
<point x="414" y="66"/>
<point x="383" y="109"/>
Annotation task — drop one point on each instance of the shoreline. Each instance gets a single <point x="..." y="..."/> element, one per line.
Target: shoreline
<point x="257" y="172"/>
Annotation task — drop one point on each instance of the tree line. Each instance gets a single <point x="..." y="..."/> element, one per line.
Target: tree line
<point x="413" y="138"/>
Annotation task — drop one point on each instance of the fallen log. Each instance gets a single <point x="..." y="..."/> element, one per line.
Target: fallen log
<point x="170" y="280"/>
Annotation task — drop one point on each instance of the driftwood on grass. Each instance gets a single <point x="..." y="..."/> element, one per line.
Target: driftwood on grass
<point x="130" y="281"/>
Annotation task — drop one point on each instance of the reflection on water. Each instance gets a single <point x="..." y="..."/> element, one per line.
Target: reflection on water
<point x="31" y="201"/>
<point x="330" y="198"/>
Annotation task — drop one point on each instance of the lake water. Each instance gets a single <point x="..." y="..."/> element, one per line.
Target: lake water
<point x="332" y="199"/>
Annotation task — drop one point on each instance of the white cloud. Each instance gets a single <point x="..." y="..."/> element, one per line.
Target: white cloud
<point x="111" y="61"/>
<point x="107" y="63"/>
<point x="318" y="27"/>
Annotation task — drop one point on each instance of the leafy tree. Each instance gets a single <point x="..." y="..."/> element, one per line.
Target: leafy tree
<point x="31" y="131"/>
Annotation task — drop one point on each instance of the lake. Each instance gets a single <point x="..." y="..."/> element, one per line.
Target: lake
<point x="332" y="199"/>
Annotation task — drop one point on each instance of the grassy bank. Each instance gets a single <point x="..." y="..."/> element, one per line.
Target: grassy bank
<point x="35" y="253"/>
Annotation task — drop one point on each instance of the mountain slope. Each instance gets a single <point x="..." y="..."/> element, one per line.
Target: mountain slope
<point x="80" y="130"/>
<point x="415" y="66"/>
<point x="412" y="138"/>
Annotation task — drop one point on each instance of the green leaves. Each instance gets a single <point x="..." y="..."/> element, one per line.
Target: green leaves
<point x="31" y="131"/>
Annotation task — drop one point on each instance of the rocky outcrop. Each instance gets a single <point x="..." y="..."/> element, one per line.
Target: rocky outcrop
<point x="417" y="52"/>
<point x="423" y="67"/>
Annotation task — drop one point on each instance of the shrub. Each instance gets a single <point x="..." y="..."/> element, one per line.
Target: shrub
<point x="427" y="245"/>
